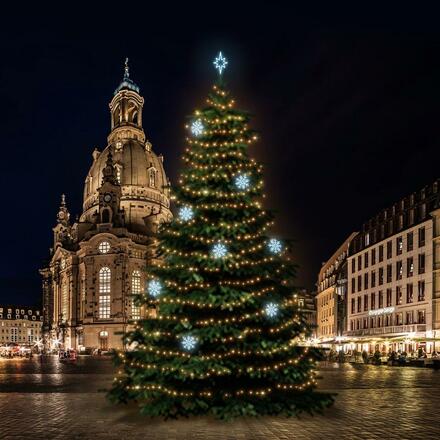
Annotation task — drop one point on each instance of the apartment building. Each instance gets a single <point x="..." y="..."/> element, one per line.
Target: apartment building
<point x="332" y="295"/>
<point x="393" y="277"/>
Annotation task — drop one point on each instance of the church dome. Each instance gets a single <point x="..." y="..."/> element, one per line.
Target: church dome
<point x="139" y="171"/>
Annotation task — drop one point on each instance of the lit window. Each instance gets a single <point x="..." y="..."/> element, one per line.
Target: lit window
<point x="118" y="173"/>
<point x="104" y="247"/>
<point x="152" y="175"/>
<point x="367" y="239"/>
<point x="135" y="290"/>
<point x="64" y="302"/>
<point x="104" y="292"/>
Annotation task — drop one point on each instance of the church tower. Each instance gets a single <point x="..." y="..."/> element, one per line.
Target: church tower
<point x="98" y="264"/>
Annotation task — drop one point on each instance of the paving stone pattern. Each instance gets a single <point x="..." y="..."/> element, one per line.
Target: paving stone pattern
<point x="53" y="401"/>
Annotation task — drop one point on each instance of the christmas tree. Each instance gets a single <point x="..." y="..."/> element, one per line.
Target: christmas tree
<point x="227" y="335"/>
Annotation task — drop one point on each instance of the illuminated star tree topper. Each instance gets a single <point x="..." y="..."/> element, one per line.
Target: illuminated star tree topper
<point x="220" y="63"/>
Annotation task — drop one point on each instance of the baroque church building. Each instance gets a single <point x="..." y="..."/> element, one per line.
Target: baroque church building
<point x="98" y="264"/>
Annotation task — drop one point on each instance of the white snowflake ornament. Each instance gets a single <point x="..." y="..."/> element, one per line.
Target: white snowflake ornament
<point x="271" y="309"/>
<point x="154" y="288"/>
<point x="242" y="182"/>
<point x="275" y="246"/>
<point x="189" y="342"/>
<point x="186" y="213"/>
<point x="197" y="127"/>
<point x="219" y="250"/>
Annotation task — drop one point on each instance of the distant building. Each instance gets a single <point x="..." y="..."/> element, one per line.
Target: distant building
<point x="21" y="325"/>
<point x="331" y="298"/>
<point x="306" y="303"/>
<point x="97" y="266"/>
<point x="394" y="278"/>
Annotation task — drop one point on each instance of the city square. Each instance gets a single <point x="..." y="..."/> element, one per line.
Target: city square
<point x="49" y="399"/>
<point x="219" y="222"/>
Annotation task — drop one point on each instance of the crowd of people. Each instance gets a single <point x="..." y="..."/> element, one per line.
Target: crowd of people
<point x="377" y="357"/>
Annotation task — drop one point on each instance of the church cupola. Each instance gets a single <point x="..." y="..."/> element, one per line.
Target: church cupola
<point x="126" y="111"/>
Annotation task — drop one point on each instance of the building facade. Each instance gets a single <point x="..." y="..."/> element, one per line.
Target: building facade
<point x="20" y="325"/>
<point x="394" y="278"/>
<point x="306" y="304"/>
<point x="98" y="264"/>
<point x="331" y="297"/>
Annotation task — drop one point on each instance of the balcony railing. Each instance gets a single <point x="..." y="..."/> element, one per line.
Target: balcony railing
<point x="387" y="330"/>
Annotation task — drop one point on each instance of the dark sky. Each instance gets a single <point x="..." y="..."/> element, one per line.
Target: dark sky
<point x="346" y="102"/>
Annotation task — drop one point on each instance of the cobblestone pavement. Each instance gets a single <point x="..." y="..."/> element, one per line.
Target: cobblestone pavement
<point x="63" y="402"/>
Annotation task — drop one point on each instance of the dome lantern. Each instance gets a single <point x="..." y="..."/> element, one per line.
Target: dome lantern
<point x="126" y="110"/>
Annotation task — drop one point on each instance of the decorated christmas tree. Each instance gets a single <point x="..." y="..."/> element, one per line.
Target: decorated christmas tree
<point x="227" y="336"/>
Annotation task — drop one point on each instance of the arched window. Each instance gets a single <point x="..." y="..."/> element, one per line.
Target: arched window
<point x="104" y="292"/>
<point x="132" y="112"/>
<point x="135" y="290"/>
<point x="104" y="247"/>
<point x="105" y="215"/>
<point x="64" y="302"/>
<point x="152" y="178"/>
<point x="116" y="116"/>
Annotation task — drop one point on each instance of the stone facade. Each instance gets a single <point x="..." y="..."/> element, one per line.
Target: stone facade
<point x="394" y="284"/>
<point x="99" y="263"/>
<point x="331" y="297"/>
<point x="20" y="325"/>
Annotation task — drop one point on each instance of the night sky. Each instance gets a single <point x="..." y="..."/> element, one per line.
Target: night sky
<point x="346" y="103"/>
